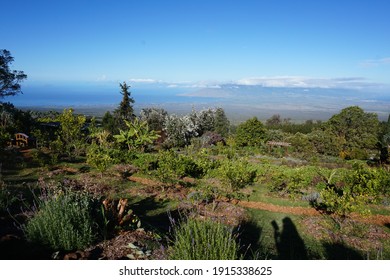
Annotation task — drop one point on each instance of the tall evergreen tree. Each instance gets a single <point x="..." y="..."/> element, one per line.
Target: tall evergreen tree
<point x="221" y="124"/>
<point x="125" y="110"/>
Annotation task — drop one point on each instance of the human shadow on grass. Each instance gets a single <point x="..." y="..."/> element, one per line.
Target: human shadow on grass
<point x="289" y="244"/>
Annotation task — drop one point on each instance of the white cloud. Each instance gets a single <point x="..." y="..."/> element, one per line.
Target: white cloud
<point x="356" y="83"/>
<point x="305" y="82"/>
<point x="144" y="81"/>
<point x="199" y="85"/>
<point x="278" y="81"/>
<point x="102" y="78"/>
<point x="375" y="62"/>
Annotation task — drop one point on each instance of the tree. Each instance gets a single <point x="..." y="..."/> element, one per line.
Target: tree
<point x="206" y="120"/>
<point x="275" y="120"/>
<point x="13" y="120"/>
<point x="250" y="133"/>
<point x="9" y="79"/>
<point x="125" y="111"/>
<point x="71" y="139"/>
<point x="176" y="130"/>
<point x="221" y="123"/>
<point x="384" y="143"/>
<point x="326" y="142"/>
<point x="108" y="122"/>
<point x="357" y="130"/>
<point x="154" y="117"/>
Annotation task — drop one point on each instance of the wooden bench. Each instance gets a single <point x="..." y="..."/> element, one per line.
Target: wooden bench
<point x="21" y="140"/>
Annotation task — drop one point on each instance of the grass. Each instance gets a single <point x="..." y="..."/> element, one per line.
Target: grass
<point x="269" y="234"/>
<point x="261" y="193"/>
<point x="326" y="240"/>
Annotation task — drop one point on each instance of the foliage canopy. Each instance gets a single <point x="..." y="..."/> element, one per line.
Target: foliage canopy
<point x="9" y="79"/>
<point x="250" y="133"/>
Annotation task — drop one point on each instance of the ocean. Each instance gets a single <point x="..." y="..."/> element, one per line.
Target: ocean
<point x="240" y="103"/>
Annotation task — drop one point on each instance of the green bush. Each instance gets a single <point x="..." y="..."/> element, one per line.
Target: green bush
<point x="367" y="181"/>
<point x="146" y="161"/>
<point x="205" y="162"/>
<point x="173" y="166"/>
<point x="203" y="240"/>
<point x="361" y="185"/>
<point x="340" y="202"/>
<point x="250" y="133"/>
<point x="293" y="181"/>
<point x="98" y="157"/>
<point x="237" y="174"/>
<point x="64" y="222"/>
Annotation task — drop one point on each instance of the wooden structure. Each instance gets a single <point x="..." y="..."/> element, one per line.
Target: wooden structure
<point x="23" y="140"/>
<point x="272" y="144"/>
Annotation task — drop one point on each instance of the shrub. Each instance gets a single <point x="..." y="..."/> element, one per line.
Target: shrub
<point x="146" y="161"/>
<point x="293" y="181"/>
<point x="366" y="181"/>
<point x="206" y="163"/>
<point x="340" y="202"/>
<point x="63" y="222"/>
<point x="173" y="166"/>
<point x="237" y="174"/>
<point x="211" y="138"/>
<point x="361" y="186"/>
<point x="250" y="133"/>
<point x="137" y="136"/>
<point x="204" y="240"/>
<point x="99" y="157"/>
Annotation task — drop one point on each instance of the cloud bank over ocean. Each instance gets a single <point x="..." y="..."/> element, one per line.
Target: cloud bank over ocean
<point x="291" y="96"/>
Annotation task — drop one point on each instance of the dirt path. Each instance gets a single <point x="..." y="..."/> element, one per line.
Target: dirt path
<point x="279" y="209"/>
<point x="145" y="181"/>
<point x="372" y="219"/>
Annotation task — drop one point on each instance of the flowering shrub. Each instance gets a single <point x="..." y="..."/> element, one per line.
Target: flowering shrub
<point x="203" y="240"/>
<point x="63" y="222"/>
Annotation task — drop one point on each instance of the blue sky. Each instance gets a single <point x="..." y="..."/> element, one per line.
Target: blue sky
<point x="200" y="43"/>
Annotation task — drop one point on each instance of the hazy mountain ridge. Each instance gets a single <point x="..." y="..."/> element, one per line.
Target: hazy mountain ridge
<point x="239" y="101"/>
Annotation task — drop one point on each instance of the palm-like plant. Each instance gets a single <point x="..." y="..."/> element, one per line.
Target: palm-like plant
<point x="137" y="136"/>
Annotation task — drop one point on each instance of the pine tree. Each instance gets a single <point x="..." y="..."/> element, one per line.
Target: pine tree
<point x="125" y="110"/>
<point x="221" y="124"/>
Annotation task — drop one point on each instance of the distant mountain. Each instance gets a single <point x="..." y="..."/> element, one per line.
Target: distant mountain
<point x="239" y="101"/>
<point x="295" y="102"/>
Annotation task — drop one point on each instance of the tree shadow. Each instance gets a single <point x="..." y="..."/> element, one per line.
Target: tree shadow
<point x="387" y="225"/>
<point x="340" y="251"/>
<point x="289" y="244"/>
